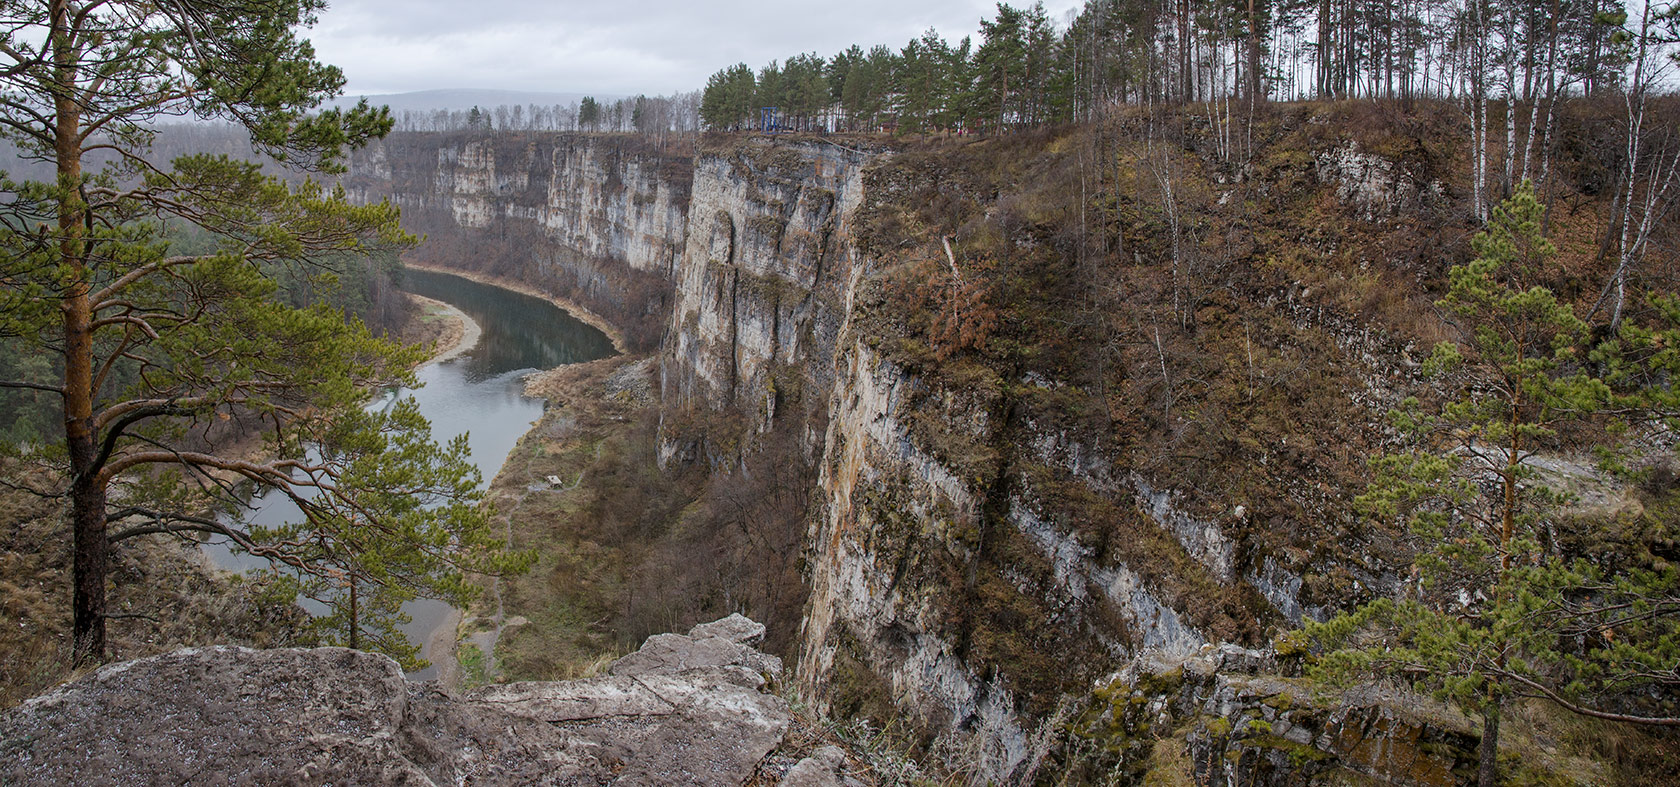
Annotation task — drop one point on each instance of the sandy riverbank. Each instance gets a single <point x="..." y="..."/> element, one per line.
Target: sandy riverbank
<point x="460" y="332"/>
<point x="440" y="647"/>
<point x="583" y="315"/>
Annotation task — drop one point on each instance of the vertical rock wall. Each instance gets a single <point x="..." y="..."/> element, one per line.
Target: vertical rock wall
<point x="595" y="198"/>
<point x="600" y="220"/>
<point x="762" y="286"/>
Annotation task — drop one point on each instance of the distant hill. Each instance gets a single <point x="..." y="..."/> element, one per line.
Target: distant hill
<point x="467" y="98"/>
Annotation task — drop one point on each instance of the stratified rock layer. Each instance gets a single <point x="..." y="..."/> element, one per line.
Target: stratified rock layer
<point x="685" y="710"/>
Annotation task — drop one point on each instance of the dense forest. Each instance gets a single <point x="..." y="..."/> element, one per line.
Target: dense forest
<point x="1026" y="70"/>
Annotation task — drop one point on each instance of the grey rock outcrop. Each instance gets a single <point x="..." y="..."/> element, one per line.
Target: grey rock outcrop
<point x="1378" y="187"/>
<point x="826" y="767"/>
<point x="1234" y="720"/>
<point x="763" y="282"/>
<point x="587" y="198"/>
<point x="684" y="710"/>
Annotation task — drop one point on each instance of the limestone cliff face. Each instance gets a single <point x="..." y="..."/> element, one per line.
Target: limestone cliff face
<point x="892" y="519"/>
<point x="601" y="220"/>
<point x="913" y="552"/>
<point x="765" y="292"/>
<point x="591" y="197"/>
<point x="764" y="279"/>
<point x="976" y="556"/>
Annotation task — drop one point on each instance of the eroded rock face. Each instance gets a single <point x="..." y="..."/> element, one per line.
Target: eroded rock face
<point x="1229" y="718"/>
<point x="684" y="710"/>
<point x="589" y="198"/>
<point x="763" y="281"/>
<point x="1378" y="187"/>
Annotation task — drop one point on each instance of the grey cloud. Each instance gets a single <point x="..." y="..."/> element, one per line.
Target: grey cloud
<point x="653" y="47"/>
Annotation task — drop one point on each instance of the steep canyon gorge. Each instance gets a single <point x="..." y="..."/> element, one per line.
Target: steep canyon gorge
<point x="1030" y="454"/>
<point x="1095" y="531"/>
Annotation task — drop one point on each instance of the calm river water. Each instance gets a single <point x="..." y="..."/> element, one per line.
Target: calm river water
<point x="479" y="393"/>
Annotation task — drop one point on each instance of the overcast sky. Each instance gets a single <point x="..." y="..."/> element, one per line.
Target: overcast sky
<point x="606" y="47"/>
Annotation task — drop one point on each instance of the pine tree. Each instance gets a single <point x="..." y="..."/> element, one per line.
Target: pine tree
<point x="589" y="113"/>
<point x="1001" y="66"/>
<point x="154" y="347"/>
<point x="1492" y="612"/>
<point x="727" y="102"/>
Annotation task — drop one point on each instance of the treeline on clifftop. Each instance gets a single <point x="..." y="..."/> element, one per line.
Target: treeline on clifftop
<point x="1026" y="69"/>
<point x="677" y="113"/>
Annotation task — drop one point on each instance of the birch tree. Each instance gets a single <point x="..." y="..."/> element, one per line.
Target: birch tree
<point x="1650" y="179"/>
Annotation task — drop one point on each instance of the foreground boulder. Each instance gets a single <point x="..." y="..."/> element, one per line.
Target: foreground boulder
<point x="683" y="710"/>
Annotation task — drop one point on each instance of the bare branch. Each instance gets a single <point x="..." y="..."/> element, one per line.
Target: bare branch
<point x="1546" y="693"/>
<point x="35" y="386"/>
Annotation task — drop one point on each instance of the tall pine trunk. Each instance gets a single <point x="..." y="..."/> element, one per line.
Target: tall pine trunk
<point x="1487" y="773"/>
<point x="87" y="487"/>
<point x="355" y="624"/>
<point x="87" y="512"/>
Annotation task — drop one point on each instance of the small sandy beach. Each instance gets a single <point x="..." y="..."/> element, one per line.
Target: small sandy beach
<point x="459" y="335"/>
<point x="440" y="650"/>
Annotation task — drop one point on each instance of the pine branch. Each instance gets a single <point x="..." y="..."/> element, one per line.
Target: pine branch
<point x="1542" y="692"/>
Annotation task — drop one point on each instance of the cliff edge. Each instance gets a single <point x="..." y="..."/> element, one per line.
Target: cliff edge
<point x="684" y="708"/>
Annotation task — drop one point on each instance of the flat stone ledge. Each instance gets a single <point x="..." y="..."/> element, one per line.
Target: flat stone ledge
<point x="683" y="710"/>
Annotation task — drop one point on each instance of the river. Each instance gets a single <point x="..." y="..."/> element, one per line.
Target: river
<point x="479" y="392"/>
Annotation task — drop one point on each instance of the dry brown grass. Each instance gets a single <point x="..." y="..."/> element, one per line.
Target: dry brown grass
<point x="161" y="598"/>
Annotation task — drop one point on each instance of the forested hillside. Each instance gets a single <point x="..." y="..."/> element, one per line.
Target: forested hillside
<point x="1026" y="69"/>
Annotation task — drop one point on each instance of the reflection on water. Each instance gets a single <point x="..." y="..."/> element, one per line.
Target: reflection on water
<point x="520" y="332"/>
<point x="479" y="393"/>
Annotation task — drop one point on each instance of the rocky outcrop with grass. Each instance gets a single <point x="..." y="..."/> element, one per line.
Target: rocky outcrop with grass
<point x="690" y="709"/>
